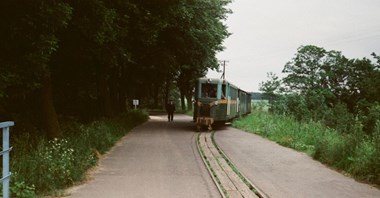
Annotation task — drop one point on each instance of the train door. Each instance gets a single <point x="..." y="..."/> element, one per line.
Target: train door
<point x="228" y="94"/>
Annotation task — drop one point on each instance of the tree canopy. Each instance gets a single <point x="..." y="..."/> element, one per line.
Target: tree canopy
<point x="88" y="59"/>
<point x="343" y="96"/>
<point x="325" y="85"/>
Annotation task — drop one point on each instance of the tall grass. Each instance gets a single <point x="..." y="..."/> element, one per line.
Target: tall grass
<point x="352" y="153"/>
<point x="41" y="166"/>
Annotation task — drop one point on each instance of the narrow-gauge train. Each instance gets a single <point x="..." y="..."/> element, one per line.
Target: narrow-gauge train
<point x="218" y="101"/>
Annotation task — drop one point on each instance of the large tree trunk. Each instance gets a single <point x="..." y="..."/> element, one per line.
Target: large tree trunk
<point x="49" y="116"/>
<point x="183" y="106"/>
<point x="189" y="102"/>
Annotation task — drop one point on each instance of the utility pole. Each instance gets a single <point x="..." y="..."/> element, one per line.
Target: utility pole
<point x="223" y="62"/>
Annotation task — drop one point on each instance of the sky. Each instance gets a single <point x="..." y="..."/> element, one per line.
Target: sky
<point x="266" y="34"/>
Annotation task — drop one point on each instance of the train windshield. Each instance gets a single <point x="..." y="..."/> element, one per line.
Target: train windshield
<point x="209" y="90"/>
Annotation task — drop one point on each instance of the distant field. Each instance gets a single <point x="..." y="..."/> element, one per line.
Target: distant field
<point x="260" y="105"/>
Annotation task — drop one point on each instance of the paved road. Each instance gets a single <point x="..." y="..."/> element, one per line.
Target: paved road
<point x="282" y="172"/>
<point x="160" y="159"/>
<point x="157" y="159"/>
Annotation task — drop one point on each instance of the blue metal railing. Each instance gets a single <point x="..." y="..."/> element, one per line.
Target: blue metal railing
<point x="5" y="153"/>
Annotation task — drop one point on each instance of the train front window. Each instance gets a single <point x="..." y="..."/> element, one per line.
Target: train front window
<point x="209" y="90"/>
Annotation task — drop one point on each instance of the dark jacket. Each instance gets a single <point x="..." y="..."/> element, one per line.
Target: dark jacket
<point x="170" y="107"/>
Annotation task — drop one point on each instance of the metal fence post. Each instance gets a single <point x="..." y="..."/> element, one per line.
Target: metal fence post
<point x="5" y="153"/>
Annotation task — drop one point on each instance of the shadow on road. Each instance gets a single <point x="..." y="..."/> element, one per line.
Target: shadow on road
<point x="184" y="123"/>
<point x="181" y="122"/>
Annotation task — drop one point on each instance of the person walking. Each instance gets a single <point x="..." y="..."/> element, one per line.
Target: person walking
<point x="170" y="108"/>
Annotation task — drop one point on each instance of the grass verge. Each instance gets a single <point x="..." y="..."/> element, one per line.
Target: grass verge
<point x="40" y="166"/>
<point x="354" y="153"/>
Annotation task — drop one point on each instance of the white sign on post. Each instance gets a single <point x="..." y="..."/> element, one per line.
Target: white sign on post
<point x="135" y="102"/>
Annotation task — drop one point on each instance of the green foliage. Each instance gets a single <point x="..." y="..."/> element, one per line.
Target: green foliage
<point x="327" y="87"/>
<point x="366" y="158"/>
<point x="102" y="54"/>
<point x="370" y="118"/>
<point x="271" y="87"/>
<point x="343" y="95"/>
<point x="282" y="129"/>
<point x="297" y="106"/>
<point x="88" y="59"/>
<point x="260" y="105"/>
<point x="58" y="158"/>
<point x="304" y="69"/>
<point x="29" y="40"/>
<point x="59" y="163"/>
<point x="52" y="164"/>
<point x="352" y="153"/>
<point x="20" y="189"/>
<point x="341" y="119"/>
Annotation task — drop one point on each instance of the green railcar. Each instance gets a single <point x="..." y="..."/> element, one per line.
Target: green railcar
<point x="218" y="101"/>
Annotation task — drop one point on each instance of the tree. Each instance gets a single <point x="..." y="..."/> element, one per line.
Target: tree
<point x="202" y="35"/>
<point x="330" y="84"/>
<point x="316" y="70"/>
<point x="304" y="70"/>
<point x="271" y="88"/>
<point x="29" y="42"/>
<point x="85" y="59"/>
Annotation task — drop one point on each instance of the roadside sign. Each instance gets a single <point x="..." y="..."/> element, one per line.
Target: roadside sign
<point x="135" y="102"/>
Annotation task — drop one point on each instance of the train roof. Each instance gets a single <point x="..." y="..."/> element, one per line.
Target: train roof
<point x="211" y="79"/>
<point x="219" y="80"/>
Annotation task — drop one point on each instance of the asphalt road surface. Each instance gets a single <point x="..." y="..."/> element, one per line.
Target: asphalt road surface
<point x="156" y="159"/>
<point x="160" y="159"/>
<point x="283" y="172"/>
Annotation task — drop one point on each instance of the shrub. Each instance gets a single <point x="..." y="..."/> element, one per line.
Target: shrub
<point x="366" y="158"/>
<point x="260" y="105"/>
<point x="40" y="166"/>
<point x="331" y="149"/>
<point x="362" y="159"/>
<point x="341" y="119"/>
<point x="21" y="189"/>
<point x="372" y="116"/>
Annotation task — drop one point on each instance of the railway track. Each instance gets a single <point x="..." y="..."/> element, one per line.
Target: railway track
<point x="230" y="182"/>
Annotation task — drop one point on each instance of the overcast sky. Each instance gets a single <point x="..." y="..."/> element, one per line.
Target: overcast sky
<point x="267" y="33"/>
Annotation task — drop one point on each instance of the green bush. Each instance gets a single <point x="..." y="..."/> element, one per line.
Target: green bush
<point x="370" y="118"/>
<point x="20" y="189"/>
<point x="260" y="105"/>
<point x="331" y="148"/>
<point x="40" y="166"/>
<point x="341" y="119"/>
<point x="366" y="158"/>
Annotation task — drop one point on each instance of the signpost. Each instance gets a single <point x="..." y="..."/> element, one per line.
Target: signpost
<point x="135" y="103"/>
